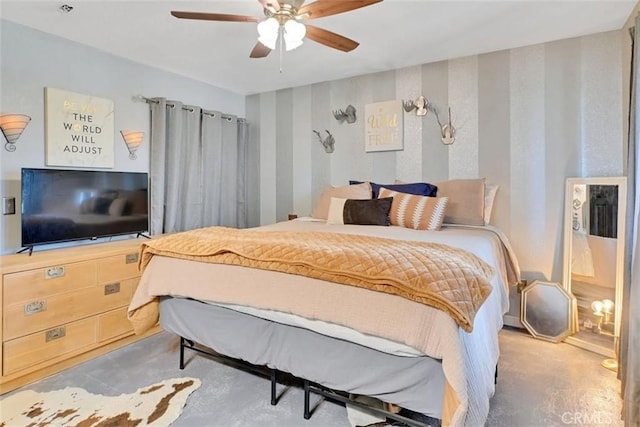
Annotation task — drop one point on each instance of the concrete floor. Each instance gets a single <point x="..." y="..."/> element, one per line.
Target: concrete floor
<point x="539" y="384"/>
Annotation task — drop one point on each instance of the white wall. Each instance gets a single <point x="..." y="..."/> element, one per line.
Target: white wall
<point x="31" y="60"/>
<point x="527" y="119"/>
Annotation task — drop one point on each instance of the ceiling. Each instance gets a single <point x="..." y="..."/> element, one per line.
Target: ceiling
<point x="392" y="34"/>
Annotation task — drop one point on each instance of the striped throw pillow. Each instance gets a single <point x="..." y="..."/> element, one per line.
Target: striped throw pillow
<point x="418" y="212"/>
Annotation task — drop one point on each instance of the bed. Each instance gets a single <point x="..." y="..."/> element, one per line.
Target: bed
<point x="343" y="337"/>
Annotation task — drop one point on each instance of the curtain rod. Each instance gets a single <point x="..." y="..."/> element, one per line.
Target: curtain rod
<point x="141" y="98"/>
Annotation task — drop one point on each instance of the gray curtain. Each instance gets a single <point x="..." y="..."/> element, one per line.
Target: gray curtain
<point x="196" y="168"/>
<point x="629" y="357"/>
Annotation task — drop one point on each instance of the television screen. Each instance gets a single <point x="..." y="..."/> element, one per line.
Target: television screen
<point x="62" y="205"/>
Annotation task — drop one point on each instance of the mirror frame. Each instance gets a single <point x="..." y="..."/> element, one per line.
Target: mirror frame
<point x="566" y="320"/>
<point x="621" y="182"/>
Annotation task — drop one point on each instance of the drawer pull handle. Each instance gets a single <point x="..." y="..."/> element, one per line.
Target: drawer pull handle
<point x="112" y="288"/>
<point x="54" y="334"/>
<point x="35" y="307"/>
<point x="54" y="272"/>
<point x="131" y="258"/>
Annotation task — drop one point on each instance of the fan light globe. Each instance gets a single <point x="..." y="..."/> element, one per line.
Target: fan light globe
<point x="268" y="31"/>
<point x="294" y="32"/>
<point x="290" y="45"/>
<point x="607" y="306"/>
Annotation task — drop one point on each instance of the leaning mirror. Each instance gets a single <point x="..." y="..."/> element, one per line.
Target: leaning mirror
<point x="594" y="230"/>
<point x="546" y="311"/>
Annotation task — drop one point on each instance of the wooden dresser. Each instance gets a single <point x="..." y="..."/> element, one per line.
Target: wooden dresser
<point x="62" y="307"/>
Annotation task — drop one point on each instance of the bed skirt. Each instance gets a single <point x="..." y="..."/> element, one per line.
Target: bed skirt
<point x="414" y="383"/>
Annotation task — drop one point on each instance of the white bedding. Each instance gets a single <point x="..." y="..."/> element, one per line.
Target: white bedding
<point x="468" y="359"/>
<point x="350" y="334"/>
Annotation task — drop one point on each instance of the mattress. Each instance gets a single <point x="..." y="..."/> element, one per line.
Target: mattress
<point x="379" y="322"/>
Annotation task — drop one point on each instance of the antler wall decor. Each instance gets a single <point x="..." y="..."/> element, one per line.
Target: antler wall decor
<point x="328" y="143"/>
<point x="421" y="105"/>
<point x="349" y="114"/>
<point x="447" y="130"/>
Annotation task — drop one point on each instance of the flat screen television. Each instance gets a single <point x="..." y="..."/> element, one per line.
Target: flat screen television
<point x="64" y="205"/>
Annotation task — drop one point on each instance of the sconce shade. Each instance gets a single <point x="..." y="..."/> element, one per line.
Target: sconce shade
<point x="12" y="126"/>
<point x="133" y="139"/>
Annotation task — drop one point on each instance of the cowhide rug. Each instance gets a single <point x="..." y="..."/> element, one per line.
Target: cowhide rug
<point x="158" y="404"/>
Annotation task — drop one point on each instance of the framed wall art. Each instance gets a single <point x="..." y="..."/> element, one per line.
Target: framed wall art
<point x="383" y="126"/>
<point x="79" y="129"/>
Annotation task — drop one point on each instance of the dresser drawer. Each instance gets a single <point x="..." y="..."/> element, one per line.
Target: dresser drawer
<point x="46" y="345"/>
<point x="45" y="313"/>
<point x="51" y="280"/>
<point x="119" y="267"/>
<point x="113" y="323"/>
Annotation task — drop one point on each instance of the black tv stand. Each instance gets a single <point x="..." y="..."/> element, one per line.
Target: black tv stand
<point x="143" y="235"/>
<point x="28" y="248"/>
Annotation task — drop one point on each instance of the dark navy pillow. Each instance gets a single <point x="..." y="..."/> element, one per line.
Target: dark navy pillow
<point x="416" y="188"/>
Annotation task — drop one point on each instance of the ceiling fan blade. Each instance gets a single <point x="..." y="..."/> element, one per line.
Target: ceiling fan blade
<point x="330" y="39"/>
<point x="214" y="16"/>
<point x="259" y="51"/>
<point x="322" y="8"/>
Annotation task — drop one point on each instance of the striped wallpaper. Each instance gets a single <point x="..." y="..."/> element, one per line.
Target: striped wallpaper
<point x="527" y="118"/>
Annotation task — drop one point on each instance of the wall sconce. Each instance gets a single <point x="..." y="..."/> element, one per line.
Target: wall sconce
<point x="12" y="126"/>
<point x="349" y="114"/>
<point x="133" y="139"/>
<point x="328" y="143"/>
<point x="420" y="105"/>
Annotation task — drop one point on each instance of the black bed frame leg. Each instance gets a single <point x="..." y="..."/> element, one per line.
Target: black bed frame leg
<point x="184" y="343"/>
<point x="496" y="377"/>
<point x="182" y="353"/>
<point x="307" y="413"/>
<point x="274" y="400"/>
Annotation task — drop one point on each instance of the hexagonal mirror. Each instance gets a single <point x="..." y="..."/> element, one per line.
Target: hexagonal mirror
<point x="546" y="311"/>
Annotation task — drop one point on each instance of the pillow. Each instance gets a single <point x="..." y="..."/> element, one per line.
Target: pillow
<point x="489" y="197"/>
<point x="466" y="200"/>
<point x="417" y="212"/>
<point x="359" y="192"/>
<point x="117" y="207"/>
<point x="361" y="212"/>
<point x="418" y="188"/>
<point x="101" y="205"/>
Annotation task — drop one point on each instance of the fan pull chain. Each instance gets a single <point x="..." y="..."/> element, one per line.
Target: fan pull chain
<point x="281" y="38"/>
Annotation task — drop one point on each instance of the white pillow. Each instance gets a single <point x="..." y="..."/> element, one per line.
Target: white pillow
<point x="336" y="209"/>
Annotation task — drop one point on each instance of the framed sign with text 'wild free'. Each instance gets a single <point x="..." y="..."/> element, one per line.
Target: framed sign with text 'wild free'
<point x="383" y="126"/>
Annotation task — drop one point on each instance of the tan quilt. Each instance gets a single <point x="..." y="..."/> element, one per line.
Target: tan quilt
<point x="437" y="275"/>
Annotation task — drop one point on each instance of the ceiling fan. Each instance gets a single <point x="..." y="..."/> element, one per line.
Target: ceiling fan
<point x="283" y="22"/>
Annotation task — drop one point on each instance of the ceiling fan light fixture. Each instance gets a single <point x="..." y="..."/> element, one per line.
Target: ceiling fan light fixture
<point x="292" y="44"/>
<point x="269" y="42"/>
<point x="268" y="32"/>
<point x="294" y="33"/>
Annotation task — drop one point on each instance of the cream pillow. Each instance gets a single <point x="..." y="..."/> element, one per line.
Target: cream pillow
<point x="489" y="197"/>
<point x="417" y="212"/>
<point x="356" y="192"/>
<point x="466" y="200"/>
